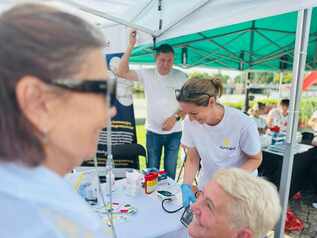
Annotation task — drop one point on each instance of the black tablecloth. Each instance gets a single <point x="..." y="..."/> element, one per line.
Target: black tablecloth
<point x="304" y="174"/>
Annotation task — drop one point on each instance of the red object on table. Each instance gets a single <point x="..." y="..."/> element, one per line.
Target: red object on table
<point x="150" y="182"/>
<point x="275" y="129"/>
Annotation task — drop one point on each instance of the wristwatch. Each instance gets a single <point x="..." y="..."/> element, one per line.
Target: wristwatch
<point x="178" y="117"/>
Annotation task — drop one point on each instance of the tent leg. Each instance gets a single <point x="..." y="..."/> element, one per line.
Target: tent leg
<point x="302" y="35"/>
<point x="280" y="83"/>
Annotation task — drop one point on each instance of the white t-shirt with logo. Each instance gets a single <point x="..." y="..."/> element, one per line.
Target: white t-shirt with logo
<point x="160" y="97"/>
<point x="279" y="119"/>
<point x="226" y="144"/>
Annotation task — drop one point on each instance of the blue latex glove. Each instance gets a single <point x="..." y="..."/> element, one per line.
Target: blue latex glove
<point x="187" y="194"/>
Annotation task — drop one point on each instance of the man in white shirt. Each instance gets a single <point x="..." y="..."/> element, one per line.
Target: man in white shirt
<point x="279" y="116"/>
<point x="163" y="114"/>
<point x="256" y="113"/>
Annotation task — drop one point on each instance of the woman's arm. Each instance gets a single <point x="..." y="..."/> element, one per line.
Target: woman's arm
<point x="253" y="162"/>
<point x="191" y="166"/>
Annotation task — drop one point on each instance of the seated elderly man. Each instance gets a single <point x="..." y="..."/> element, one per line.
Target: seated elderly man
<point x="235" y="204"/>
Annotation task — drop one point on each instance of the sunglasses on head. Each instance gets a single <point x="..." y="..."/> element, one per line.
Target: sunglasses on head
<point x="184" y="95"/>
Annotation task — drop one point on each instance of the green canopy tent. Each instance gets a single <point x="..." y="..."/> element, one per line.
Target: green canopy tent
<point x="263" y="44"/>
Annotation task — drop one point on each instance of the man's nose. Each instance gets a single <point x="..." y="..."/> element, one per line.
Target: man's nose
<point x="165" y="63"/>
<point x="196" y="208"/>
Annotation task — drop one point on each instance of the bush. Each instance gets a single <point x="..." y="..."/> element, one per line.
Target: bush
<point x="237" y="105"/>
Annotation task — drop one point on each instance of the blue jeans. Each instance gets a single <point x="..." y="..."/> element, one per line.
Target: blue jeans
<point x="154" y="145"/>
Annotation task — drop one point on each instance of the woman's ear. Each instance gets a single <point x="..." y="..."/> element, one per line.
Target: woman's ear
<point x="211" y="101"/>
<point x="30" y="95"/>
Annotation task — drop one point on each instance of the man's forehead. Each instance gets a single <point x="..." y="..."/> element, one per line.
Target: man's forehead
<point x="215" y="193"/>
<point x="165" y="55"/>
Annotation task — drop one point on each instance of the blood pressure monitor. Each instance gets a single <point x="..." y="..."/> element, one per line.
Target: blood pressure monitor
<point x="165" y="194"/>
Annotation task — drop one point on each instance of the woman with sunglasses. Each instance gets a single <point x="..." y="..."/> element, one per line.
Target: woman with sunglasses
<point x="216" y="136"/>
<point x="52" y="107"/>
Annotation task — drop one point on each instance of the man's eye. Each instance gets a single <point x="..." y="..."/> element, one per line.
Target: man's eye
<point x="210" y="207"/>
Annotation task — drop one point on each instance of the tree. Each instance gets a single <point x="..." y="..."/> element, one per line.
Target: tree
<point x="287" y="77"/>
<point x="264" y="77"/>
<point x="223" y="77"/>
<point x="199" y="75"/>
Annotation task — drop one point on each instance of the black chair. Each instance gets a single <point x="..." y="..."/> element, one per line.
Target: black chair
<point x="124" y="156"/>
<point x="307" y="138"/>
<point x="127" y="155"/>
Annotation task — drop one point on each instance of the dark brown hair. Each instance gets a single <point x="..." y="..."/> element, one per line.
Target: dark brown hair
<point x="43" y="42"/>
<point x="199" y="90"/>
<point x="164" y="48"/>
<point x="284" y="102"/>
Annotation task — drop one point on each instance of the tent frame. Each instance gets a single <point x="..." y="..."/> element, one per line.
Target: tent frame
<point x="302" y="36"/>
<point x="110" y="17"/>
<point x="199" y="5"/>
<point x="246" y="59"/>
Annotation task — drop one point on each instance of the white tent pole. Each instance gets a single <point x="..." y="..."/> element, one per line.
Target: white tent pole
<point x="302" y="35"/>
<point x="109" y="17"/>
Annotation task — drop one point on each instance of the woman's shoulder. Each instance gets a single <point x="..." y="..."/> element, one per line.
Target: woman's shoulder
<point x="238" y="117"/>
<point x="236" y="113"/>
<point x="21" y="211"/>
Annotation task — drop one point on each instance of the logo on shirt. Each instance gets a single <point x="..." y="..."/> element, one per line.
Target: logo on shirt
<point x="227" y="145"/>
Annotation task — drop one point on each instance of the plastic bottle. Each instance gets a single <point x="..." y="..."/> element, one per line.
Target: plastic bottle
<point x="150" y="182"/>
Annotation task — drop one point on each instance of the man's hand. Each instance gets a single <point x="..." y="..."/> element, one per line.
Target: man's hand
<point x="132" y="38"/>
<point x="169" y="123"/>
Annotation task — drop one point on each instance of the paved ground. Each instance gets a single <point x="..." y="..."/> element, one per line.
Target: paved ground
<point x="304" y="210"/>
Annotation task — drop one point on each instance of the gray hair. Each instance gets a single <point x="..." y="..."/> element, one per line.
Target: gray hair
<point x="255" y="201"/>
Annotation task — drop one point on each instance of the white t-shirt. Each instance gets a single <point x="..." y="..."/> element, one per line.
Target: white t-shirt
<point x="160" y="97"/>
<point x="37" y="203"/>
<point x="226" y="144"/>
<point x="279" y="119"/>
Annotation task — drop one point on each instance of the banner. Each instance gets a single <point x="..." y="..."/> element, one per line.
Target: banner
<point x="123" y="124"/>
